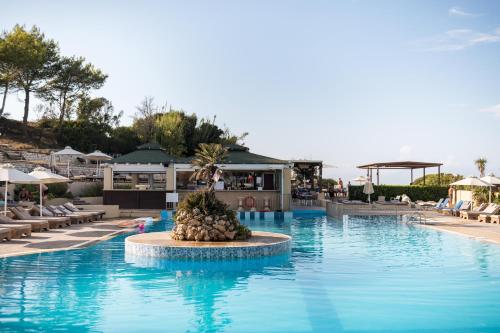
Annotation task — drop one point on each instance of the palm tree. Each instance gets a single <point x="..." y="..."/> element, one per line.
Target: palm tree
<point x="481" y="165"/>
<point x="206" y="159"/>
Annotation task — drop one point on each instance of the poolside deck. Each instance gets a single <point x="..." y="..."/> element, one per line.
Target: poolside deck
<point x="488" y="232"/>
<point x="74" y="237"/>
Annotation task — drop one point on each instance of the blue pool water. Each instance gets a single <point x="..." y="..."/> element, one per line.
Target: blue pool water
<point x="361" y="274"/>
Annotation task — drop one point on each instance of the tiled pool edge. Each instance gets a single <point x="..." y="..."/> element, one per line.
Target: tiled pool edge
<point x="208" y="252"/>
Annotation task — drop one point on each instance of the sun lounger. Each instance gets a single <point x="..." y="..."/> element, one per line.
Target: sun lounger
<point x="354" y="202"/>
<point x="486" y="217"/>
<point x="54" y="222"/>
<point x="439" y="203"/>
<point x="18" y="230"/>
<point x="90" y="216"/>
<point x="455" y="211"/>
<point x="35" y="225"/>
<point x="473" y="215"/>
<point x="495" y="219"/>
<point x="463" y="208"/>
<point x="479" y="209"/>
<point x="75" y="219"/>
<point x="5" y="234"/>
<point x="446" y="210"/>
<point x="98" y="213"/>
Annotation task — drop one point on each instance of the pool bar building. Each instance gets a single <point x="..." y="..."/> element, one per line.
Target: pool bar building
<point x="251" y="182"/>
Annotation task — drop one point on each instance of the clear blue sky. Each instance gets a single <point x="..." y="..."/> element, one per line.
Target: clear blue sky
<point x="348" y="82"/>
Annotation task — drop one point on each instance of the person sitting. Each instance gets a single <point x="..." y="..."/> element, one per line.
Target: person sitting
<point x="25" y="195"/>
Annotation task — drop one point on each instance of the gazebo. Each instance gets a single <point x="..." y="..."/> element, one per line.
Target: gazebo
<point x="408" y="165"/>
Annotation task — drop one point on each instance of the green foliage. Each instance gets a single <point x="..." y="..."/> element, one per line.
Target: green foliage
<point x="328" y="182"/>
<point x="93" y="126"/>
<point x="433" y="179"/>
<point x="33" y="58"/>
<point x="122" y="140"/>
<point x="205" y="202"/>
<point x="73" y="79"/>
<point x="122" y="186"/>
<point x="481" y="165"/>
<point x="58" y="190"/>
<point x="425" y="193"/>
<point x="94" y="190"/>
<point x="174" y="132"/>
<point x="481" y="194"/>
<point x="206" y="158"/>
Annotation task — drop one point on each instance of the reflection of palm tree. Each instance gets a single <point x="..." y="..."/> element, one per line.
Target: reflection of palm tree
<point x="481" y="165"/>
<point x="203" y="283"/>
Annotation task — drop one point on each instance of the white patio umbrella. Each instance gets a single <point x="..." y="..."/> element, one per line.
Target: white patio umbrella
<point x="360" y="180"/>
<point x="473" y="181"/>
<point x="368" y="189"/>
<point x="9" y="174"/>
<point x="494" y="181"/>
<point x="98" y="156"/>
<point x="69" y="152"/>
<point x="46" y="177"/>
<point x="491" y="179"/>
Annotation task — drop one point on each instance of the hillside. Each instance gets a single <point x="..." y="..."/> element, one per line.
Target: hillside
<point x="12" y="135"/>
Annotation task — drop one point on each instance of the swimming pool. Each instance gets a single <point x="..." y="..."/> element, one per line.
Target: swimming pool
<point x="360" y="274"/>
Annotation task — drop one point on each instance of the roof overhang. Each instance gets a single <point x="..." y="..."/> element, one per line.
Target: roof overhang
<point x="249" y="167"/>
<point x="138" y="168"/>
<point x="400" y="165"/>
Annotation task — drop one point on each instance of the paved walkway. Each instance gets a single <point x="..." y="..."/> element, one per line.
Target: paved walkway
<point x="73" y="237"/>
<point x="472" y="228"/>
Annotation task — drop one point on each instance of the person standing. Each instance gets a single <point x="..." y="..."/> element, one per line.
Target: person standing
<point x="451" y="192"/>
<point x="341" y="185"/>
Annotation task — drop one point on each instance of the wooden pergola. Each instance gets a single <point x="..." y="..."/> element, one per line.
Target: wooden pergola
<point x="411" y="165"/>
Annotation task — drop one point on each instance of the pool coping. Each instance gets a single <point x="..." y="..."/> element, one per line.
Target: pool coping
<point x="161" y="245"/>
<point x="79" y="246"/>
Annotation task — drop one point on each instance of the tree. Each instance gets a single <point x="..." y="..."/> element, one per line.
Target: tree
<point x="433" y="179"/>
<point x="123" y="140"/>
<point x="7" y="72"/>
<point x="93" y="126"/>
<point x="34" y="58"/>
<point x="174" y="132"/>
<point x="205" y="162"/>
<point x="481" y="165"/>
<point x="145" y="119"/>
<point x="73" y="78"/>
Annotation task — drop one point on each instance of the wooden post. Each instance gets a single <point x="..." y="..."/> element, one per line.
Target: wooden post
<point x="439" y="175"/>
<point x="424" y="176"/>
<point x="411" y="173"/>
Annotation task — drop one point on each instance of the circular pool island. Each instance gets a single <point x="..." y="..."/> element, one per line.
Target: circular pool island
<point x="161" y="245"/>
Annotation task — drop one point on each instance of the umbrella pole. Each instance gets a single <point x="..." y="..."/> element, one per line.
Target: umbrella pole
<point x="490" y="196"/>
<point x="68" y="168"/>
<point x="41" y="198"/>
<point x="5" y="200"/>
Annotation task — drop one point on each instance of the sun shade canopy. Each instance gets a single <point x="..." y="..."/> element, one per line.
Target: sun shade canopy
<point x="68" y="151"/>
<point x="400" y="165"/>
<point x="407" y="165"/>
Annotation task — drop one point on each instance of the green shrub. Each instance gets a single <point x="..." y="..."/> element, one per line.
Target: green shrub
<point x="95" y="190"/>
<point x="425" y="193"/>
<point x="122" y="186"/>
<point x="207" y="203"/>
<point x="481" y="194"/>
<point x="58" y="190"/>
